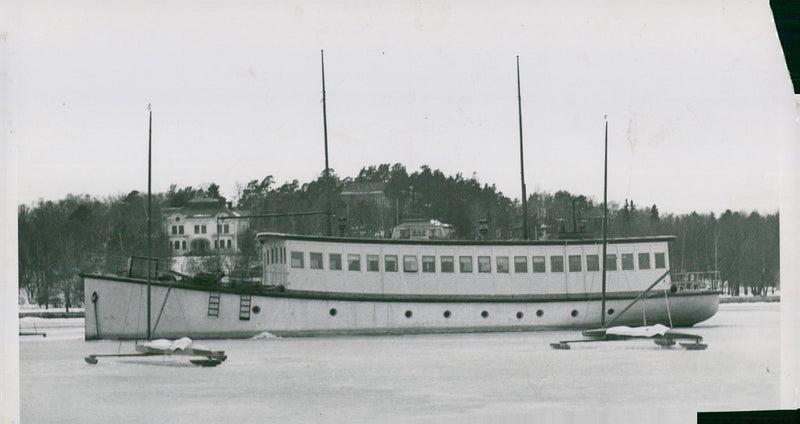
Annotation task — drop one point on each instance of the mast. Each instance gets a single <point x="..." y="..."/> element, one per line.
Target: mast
<point x="327" y="169"/>
<point x="149" y="212"/>
<point x="522" y="162"/>
<point x="605" y="229"/>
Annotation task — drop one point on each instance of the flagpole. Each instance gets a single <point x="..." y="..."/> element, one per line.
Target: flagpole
<point x="149" y="214"/>
<point x="605" y="229"/>
<point x="522" y="162"/>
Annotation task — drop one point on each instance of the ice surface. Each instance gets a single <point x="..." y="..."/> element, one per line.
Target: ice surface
<point x="432" y="378"/>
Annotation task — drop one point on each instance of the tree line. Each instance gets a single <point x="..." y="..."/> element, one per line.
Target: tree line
<point x="59" y="239"/>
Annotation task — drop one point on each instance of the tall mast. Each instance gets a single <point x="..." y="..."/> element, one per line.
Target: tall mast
<point x="522" y="162"/>
<point x="605" y="228"/>
<point x="149" y="212"/>
<point x="327" y="169"/>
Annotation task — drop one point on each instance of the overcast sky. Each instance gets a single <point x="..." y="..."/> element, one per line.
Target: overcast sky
<point x="696" y="95"/>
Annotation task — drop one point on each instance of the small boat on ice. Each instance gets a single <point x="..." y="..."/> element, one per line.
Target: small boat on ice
<point x="661" y="335"/>
<point x="162" y="347"/>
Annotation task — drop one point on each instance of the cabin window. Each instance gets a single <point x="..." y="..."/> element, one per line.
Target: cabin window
<point x="611" y="262"/>
<point x="297" y="259"/>
<point x="283" y="255"/>
<point x="501" y="264"/>
<point x="465" y="264"/>
<point x="644" y="261"/>
<point x="372" y="263"/>
<point x="390" y="263"/>
<point x="574" y="263"/>
<point x="538" y="264"/>
<point x="335" y="261"/>
<point x="556" y="264"/>
<point x="484" y="264"/>
<point x="447" y="264"/>
<point x="520" y="264"/>
<point x="353" y="262"/>
<point x="410" y="263"/>
<point x="428" y="264"/>
<point x="660" y="260"/>
<point x="315" y="260"/>
<point x="627" y="261"/>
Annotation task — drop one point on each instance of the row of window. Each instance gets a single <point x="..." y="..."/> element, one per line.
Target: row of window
<point x="221" y="244"/>
<point x="218" y="244"/>
<point x="502" y="264"/>
<point x="201" y="229"/>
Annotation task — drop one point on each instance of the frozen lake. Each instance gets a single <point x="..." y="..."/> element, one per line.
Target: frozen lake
<point x="429" y="378"/>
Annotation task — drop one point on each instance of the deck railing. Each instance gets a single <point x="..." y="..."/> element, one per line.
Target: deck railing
<point x="700" y="280"/>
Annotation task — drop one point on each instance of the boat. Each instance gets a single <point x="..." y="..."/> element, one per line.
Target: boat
<point x="321" y="285"/>
<point x="423" y="281"/>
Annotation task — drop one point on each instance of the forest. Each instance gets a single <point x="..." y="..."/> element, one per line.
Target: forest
<point x="59" y="239"/>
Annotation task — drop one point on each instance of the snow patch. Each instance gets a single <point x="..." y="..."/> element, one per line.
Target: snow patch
<point x="264" y="336"/>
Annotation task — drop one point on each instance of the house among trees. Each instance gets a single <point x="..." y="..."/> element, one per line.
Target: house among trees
<point x="200" y="228"/>
<point x="370" y="211"/>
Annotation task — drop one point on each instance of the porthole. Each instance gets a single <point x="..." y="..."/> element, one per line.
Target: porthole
<point x="409" y="314"/>
<point x="446" y="314"/>
<point x="333" y="312"/>
<point x="520" y="315"/>
<point x="611" y="311"/>
<point x="485" y="314"/>
<point x="539" y="313"/>
<point x="574" y="313"/>
<point x="256" y="309"/>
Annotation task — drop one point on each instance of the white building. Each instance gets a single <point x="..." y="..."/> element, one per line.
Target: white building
<point x="201" y="228"/>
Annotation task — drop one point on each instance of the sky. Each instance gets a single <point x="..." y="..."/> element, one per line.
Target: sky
<point x="697" y="96"/>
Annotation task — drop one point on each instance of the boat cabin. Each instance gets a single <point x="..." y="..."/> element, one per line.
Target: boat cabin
<point x="452" y="267"/>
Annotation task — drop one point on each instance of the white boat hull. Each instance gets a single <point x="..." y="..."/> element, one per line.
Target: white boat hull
<point x="119" y="312"/>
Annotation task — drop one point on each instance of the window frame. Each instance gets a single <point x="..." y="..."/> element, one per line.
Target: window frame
<point x="428" y="264"/>
<point x="542" y="260"/>
<point x="629" y="258"/>
<point x="484" y="264"/>
<point x="334" y="261"/>
<point x="311" y="260"/>
<point x="447" y="264"/>
<point x="592" y="263"/>
<point x="354" y="258"/>
<point x="520" y="264"/>
<point x="410" y="263"/>
<point x="297" y="255"/>
<point x="498" y="260"/>
<point x="613" y="257"/>
<point x="557" y="263"/>
<point x="465" y="265"/>
<point x="386" y="262"/>
<point x="570" y="263"/>
<point x="646" y="261"/>
<point x="373" y="260"/>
